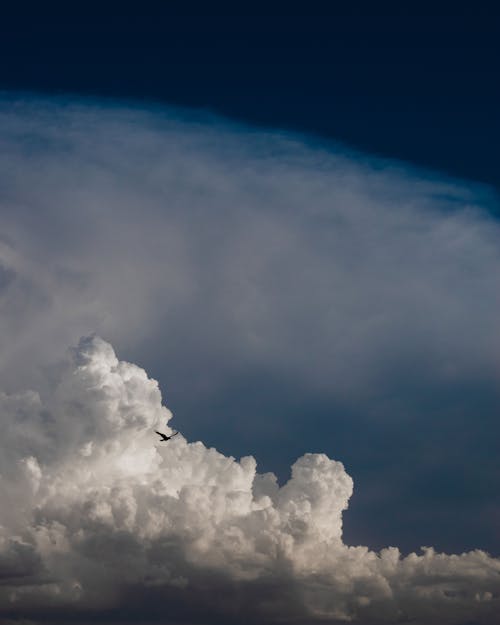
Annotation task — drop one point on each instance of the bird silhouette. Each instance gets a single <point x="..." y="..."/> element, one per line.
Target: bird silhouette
<point x="164" y="437"/>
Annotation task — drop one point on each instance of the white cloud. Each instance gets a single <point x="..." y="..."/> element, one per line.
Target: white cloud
<point x="98" y="516"/>
<point x="212" y="252"/>
<point x="231" y="249"/>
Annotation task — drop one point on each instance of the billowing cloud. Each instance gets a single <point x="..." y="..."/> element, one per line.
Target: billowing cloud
<point x="101" y="523"/>
<point x="290" y="297"/>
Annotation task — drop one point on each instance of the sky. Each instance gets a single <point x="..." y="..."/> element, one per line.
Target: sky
<point x="280" y="235"/>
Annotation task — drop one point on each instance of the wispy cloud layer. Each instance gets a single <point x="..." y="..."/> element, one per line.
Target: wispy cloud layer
<point x="98" y="521"/>
<point x="255" y="248"/>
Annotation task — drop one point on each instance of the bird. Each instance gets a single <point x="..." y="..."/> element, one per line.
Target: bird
<point x="164" y="437"/>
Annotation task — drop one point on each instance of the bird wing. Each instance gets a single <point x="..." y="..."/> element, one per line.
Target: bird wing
<point x="161" y="434"/>
<point x="174" y="434"/>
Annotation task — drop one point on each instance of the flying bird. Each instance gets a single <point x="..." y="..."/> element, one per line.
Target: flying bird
<point x="164" y="437"/>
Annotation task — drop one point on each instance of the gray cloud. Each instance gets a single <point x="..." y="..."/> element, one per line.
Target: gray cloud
<point x="101" y="523"/>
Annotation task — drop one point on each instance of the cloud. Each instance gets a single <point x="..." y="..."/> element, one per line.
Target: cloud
<point x="327" y="288"/>
<point x="263" y="252"/>
<point x="98" y="520"/>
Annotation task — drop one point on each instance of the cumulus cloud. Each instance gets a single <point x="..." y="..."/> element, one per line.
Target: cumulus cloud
<point x="349" y="305"/>
<point x="100" y="523"/>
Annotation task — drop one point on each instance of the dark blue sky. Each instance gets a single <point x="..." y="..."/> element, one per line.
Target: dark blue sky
<point x="421" y="87"/>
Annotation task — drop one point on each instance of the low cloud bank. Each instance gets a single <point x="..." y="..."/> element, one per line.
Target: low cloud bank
<point x="100" y="523"/>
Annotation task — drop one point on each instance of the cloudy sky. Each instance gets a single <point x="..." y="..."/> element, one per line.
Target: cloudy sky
<point x="315" y="312"/>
